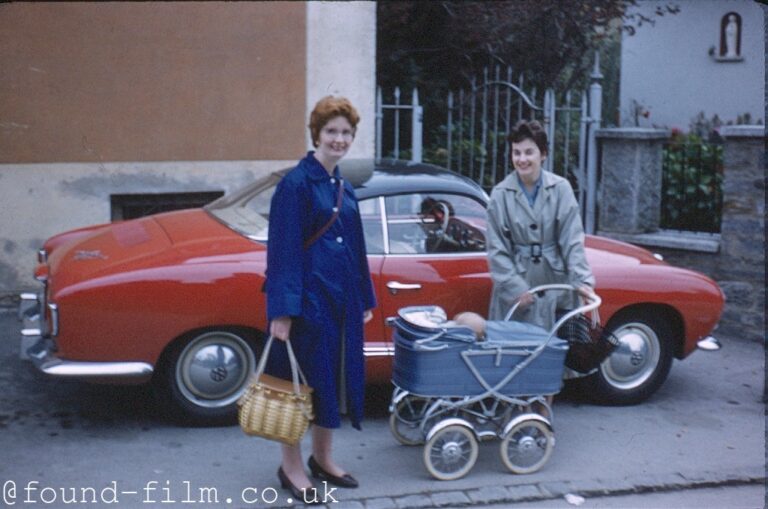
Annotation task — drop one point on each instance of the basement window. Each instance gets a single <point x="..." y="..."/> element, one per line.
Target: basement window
<point x="131" y="206"/>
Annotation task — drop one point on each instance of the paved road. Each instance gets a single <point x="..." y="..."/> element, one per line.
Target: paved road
<point x="705" y="428"/>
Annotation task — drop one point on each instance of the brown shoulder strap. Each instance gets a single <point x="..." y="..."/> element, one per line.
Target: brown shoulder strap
<point x="319" y="233"/>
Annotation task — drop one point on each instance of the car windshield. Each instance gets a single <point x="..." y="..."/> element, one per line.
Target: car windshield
<point x="247" y="210"/>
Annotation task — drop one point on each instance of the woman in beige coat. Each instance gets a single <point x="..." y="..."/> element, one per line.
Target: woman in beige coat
<point x="535" y="235"/>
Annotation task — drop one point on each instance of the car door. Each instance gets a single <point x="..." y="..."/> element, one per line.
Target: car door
<point x="435" y="254"/>
<point x="378" y="349"/>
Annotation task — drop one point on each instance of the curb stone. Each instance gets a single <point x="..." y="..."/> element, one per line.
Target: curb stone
<point x="524" y="492"/>
<point x="488" y="495"/>
<point x="413" y="501"/>
<point x="553" y="490"/>
<point x="352" y="504"/>
<point x="380" y="503"/>
<point x="556" y="489"/>
<point x="448" y="499"/>
<point x="659" y="482"/>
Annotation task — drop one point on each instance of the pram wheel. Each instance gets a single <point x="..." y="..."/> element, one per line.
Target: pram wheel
<point x="527" y="445"/>
<point x="450" y="452"/>
<point x="405" y="420"/>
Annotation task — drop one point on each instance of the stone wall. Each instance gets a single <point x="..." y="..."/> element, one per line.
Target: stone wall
<point x="736" y="257"/>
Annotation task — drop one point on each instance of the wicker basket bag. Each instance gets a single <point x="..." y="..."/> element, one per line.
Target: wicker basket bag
<point x="274" y="408"/>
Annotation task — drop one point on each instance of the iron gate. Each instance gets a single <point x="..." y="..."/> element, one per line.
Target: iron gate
<point x="479" y="119"/>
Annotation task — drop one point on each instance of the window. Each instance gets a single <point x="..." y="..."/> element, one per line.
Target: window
<point x="132" y="206"/>
<point x="425" y="223"/>
<point x="370" y="213"/>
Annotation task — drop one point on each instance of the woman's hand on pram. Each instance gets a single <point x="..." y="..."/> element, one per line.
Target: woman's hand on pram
<point x="587" y="292"/>
<point x="280" y="327"/>
<point x="525" y="300"/>
<point x="367" y="315"/>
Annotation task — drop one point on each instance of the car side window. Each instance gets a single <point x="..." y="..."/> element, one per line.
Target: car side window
<point x="370" y="214"/>
<point x="425" y="223"/>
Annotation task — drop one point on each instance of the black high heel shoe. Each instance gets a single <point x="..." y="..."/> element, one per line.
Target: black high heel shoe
<point x="318" y="472"/>
<point x="299" y="495"/>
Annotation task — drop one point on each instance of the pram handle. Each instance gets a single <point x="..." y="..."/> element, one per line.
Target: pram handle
<point x="593" y="302"/>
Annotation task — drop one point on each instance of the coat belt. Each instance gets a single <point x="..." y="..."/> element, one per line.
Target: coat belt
<point x="535" y="250"/>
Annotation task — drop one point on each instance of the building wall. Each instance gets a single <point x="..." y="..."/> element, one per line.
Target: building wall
<point x="151" y="81"/>
<point x="342" y="62"/>
<point x="667" y="69"/>
<point x="160" y="97"/>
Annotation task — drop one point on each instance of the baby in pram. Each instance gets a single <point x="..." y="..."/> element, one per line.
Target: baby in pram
<point x="498" y="331"/>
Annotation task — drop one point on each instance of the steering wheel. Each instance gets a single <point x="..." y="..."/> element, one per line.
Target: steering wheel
<point x="441" y="212"/>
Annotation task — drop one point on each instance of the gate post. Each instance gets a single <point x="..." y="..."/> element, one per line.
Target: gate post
<point x="595" y="115"/>
<point x="630" y="191"/>
<point x="549" y="127"/>
<point x="741" y="265"/>
<point x="379" y="121"/>
<point x="417" y="124"/>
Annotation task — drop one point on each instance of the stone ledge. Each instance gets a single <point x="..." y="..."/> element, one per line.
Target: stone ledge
<point x="633" y="133"/>
<point x="742" y="131"/>
<point x="673" y="239"/>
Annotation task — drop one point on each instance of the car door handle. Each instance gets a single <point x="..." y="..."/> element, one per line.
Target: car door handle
<point x="394" y="286"/>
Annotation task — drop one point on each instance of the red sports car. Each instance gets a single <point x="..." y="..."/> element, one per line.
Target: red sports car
<point x="176" y="298"/>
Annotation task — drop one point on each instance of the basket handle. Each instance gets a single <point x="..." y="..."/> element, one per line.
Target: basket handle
<point x="296" y="372"/>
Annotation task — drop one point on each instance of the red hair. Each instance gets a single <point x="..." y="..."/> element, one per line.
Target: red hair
<point x="328" y="108"/>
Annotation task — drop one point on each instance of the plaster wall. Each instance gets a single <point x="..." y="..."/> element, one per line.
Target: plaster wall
<point x="667" y="69"/>
<point x="341" y="61"/>
<point x="35" y="206"/>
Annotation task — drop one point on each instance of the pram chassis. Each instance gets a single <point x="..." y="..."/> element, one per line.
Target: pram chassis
<point x="451" y="426"/>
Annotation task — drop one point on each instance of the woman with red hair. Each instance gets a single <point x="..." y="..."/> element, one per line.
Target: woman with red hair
<point x="319" y="290"/>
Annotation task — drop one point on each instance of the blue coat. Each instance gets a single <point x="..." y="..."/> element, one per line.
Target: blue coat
<point x="325" y="288"/>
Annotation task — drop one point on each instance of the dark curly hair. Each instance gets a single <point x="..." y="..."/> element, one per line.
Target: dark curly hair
<point x="529" y="130"/>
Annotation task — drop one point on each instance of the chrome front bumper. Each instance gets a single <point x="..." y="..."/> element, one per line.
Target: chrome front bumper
<point x="41" y="350"/>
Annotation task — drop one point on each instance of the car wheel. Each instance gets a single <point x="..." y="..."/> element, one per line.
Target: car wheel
<point x="638" y="366"/>
<point x="205" y="374"/>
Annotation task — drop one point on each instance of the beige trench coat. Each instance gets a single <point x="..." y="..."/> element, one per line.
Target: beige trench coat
<point x="514" y="228"/>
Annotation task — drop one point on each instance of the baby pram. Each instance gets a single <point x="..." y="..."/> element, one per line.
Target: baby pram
<point x="452" y="390"/>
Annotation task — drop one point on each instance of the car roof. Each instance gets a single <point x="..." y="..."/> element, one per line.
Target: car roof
<point x="385" y="177"/>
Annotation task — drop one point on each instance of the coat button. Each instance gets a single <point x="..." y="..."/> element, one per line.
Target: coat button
<point x="335" y="209"/>
<point x="333" y="180"/>
<point x="534" y="226"/>
<point x="339" y="240"/>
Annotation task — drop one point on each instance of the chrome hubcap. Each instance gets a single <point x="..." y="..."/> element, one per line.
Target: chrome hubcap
<point x="635" y="359"/>
<point x="451" y="452"/>
<point x="527" y="446"/>
<point x="213" y="369"/>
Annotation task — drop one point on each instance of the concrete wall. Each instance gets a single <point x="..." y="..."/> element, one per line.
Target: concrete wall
<point x="668" y="70"/>
<point x="135" y="98"/>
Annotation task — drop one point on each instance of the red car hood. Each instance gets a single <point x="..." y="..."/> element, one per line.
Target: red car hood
<point x="149" y="242"/>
